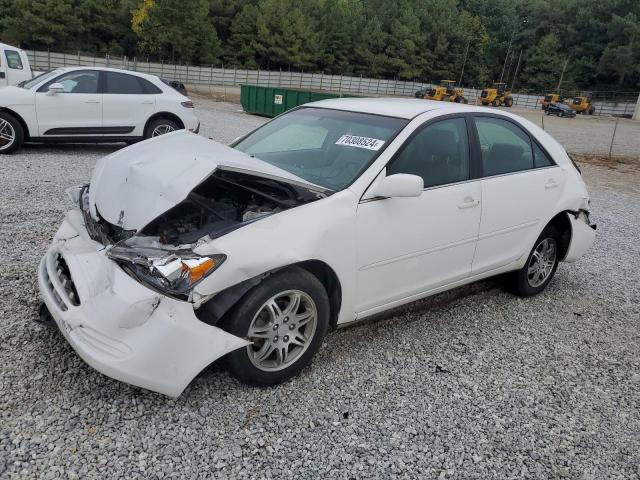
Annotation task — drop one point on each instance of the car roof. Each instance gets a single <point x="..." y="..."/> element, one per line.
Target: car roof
<point x="393" y="107"/>
<point x="109" y="69"/>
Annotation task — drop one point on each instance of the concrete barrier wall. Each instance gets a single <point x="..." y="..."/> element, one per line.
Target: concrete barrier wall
<point x="203" y="75"/>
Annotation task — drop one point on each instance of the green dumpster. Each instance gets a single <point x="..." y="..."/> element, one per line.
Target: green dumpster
<point x="272" y="101"/>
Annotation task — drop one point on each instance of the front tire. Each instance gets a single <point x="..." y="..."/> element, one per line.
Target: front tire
<point x="160" y="126"/>
<point x="285" y="317"/>
<point x="11" y="133"/>
<point x="541" y="264"/>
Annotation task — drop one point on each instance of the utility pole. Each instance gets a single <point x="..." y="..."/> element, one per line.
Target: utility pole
<point x="515" y="74"/>
<point x="504" y="65"/>
<point x="464" y="62"/>
<point x="513" y="34"/>
<point x="564" y="67"/>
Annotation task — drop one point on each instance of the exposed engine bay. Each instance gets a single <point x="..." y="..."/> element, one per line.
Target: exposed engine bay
<point x="161" y="254"/>
<point x="223" y="202"/>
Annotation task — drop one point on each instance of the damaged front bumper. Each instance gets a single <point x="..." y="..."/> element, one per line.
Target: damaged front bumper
<point x="118" y="326"/>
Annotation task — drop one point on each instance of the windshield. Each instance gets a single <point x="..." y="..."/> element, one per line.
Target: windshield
<point x="37" y="79"/>
<point x="330" y="148"/>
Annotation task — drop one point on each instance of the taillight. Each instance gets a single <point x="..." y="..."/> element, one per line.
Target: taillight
<point x="187" y="104"/>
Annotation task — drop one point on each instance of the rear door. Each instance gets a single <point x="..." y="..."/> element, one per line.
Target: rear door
<point x="75" y="112"/>
<point x="521" y="187"/>
<point x="129" y="101"/>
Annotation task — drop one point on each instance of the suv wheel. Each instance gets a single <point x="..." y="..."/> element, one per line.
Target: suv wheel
<point x="11" y="133"/>
<point x="160" y="126"/>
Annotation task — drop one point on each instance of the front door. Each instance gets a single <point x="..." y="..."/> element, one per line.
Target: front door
<point x="75" y="112"/>
<point x="407" y="246"/>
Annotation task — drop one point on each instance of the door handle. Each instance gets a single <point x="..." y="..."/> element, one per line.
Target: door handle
<point x="92" y="101"/>
<point x="551" y="183"/>
<point x="469" y="202"/>
<point x="147" y="102"/>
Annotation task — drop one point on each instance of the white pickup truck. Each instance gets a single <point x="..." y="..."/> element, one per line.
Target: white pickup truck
<point x="14" y="66"/>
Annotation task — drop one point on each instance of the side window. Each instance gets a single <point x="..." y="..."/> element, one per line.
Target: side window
<point x="505" y="147"/>
<point x="439" y="153"/>
<point x="541" y="159"/>
<point x="121" y="83"/>
<point x="78" y="81"/>
<point x="149" y="87"/>
<point x="13" y="59"/>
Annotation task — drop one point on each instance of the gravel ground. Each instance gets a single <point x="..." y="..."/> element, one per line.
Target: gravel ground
<point x="475" y="383"/>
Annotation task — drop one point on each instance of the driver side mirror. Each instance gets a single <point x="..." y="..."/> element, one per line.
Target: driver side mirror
<point x="399" y="185"/>
<point x="55" y="88"/>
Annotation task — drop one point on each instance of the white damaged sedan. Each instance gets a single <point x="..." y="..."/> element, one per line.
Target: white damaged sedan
<point x="182" y="251"/>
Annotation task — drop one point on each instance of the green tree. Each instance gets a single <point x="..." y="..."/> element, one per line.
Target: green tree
<point x="177" y="31"/>
<point x="544" y="65"/>
<point x="338" y="23"/>
<point x="40" y="23"/>
<point x="404" y="49"/>
<point x="285" y="35"/>
<point x="242" y="36"/>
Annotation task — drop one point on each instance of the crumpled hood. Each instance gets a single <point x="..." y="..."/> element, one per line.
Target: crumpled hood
<point x="135" y="185"/>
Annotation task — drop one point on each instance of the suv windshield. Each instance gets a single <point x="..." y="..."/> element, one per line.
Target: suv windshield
<point x="39" y="78"/>
<point x="330" y="148"/>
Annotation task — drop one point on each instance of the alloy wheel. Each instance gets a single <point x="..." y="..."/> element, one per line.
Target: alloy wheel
<point x="7" y="134"/>
<point x="282" y="330"/>
<point x="542" y="262"/>
<point x="161" y="130"/>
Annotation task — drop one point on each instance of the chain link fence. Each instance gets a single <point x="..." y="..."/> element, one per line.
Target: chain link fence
<point x="233" y="77"/>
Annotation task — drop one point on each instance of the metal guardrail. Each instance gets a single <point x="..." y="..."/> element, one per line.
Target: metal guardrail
<point x="203" y="75"/>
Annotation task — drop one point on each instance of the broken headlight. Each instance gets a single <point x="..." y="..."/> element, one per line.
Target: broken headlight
<point x="173" y="272"/>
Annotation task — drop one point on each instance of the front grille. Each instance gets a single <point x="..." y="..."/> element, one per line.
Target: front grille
<point x="59" y="283"/>
<point x="62" y="270"/>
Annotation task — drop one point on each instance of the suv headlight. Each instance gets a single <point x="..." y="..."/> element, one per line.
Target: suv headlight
<point x="174" y="273"/>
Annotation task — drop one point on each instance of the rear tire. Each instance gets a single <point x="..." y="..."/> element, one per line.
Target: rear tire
<point x="11" y="133"/>
<point x="286" y="317"/>
<point x="541" y="265"/>
<point x="160" y="126"/>
<point x="508" y="102"/>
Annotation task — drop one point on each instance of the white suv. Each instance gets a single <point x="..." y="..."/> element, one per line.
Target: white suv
<point x="85" y="104"/>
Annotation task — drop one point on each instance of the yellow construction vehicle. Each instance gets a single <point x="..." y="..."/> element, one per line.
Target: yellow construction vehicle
<point x="582" y="105"/>
<point x="550" y="99"/>
<point x="496" y="96"/>
<point x="446" y="92"/>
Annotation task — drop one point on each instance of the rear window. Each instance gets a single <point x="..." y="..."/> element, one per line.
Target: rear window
<point x="13" y="59"/>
